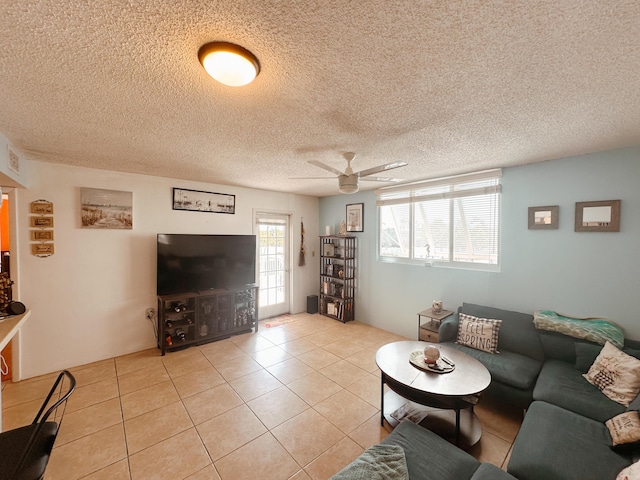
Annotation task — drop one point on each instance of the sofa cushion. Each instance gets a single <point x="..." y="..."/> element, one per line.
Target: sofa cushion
<point x="586" y="354"/>
<point x="487" y="471"/>
<point x="429" y="456"/>
<point x="507" y="367"/>
<point x="478" y="333"/>
<point x="516" y="397"/>
<point x="554" y="443"/>
<point x="561" y="384"/>
<point x="448" y="331"/>
<point x="616" y="374"/>
<point x="558" y="346"/>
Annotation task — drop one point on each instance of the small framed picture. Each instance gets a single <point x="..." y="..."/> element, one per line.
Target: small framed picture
<point x="355" y="217"/>
<point x="599" y="216"/>
<point x="543" y="218"/>
<point x="42" y="222"/>
<point x="328" y="250"/>
<point x="42" y="235"/>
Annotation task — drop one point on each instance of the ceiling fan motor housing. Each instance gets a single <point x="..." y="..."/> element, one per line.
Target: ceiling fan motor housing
<point x="348" y="183"/>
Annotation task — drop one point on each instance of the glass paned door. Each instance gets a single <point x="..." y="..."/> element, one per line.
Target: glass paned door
<point x="273" y="264"/>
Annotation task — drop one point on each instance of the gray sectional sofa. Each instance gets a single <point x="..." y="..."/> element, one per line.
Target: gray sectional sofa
<point x="563" y="435"/>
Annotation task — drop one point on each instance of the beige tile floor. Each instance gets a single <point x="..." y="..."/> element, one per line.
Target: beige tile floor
<point x="298" y="400"/>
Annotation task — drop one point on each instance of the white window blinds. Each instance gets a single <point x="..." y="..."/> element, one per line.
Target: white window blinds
<point x="448" y="220"/>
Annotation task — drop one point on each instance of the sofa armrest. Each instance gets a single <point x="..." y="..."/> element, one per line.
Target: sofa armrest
<point x="448" y="331"/>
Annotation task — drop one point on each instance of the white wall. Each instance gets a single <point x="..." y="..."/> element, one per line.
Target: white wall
<point x="88" y="300"/>
<point x="582" y="274"/>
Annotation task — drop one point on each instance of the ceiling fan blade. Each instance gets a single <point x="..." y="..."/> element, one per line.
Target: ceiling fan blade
<point x="325" y="167"/>
<point x="380" y="179"/>
<point x="381" y="168"/>
<point x="312" y="178"/>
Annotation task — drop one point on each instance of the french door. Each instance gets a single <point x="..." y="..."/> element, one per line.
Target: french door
<point x="273" y="232"/>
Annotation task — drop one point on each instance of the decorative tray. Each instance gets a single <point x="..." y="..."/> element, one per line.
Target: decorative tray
<point x="417" y="360"/>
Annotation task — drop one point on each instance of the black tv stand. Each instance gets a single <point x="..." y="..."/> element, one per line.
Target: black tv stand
<point x="195" y="318"/>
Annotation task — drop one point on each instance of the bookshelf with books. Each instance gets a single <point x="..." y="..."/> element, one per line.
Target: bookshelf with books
<point x="337" y="277"/>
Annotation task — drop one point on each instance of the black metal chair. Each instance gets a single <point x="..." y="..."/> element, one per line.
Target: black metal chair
<point x="25" y="451"/>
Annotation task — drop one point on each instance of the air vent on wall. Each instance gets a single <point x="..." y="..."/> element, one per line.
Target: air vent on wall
<point x="13" y="160"/>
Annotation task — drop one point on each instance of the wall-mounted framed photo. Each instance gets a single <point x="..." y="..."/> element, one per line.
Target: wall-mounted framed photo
<point x="199" y="201"/>
<point x="599" y="216"/>
<point x="42" y="222"/>
<point x="106" y="208"/>
<point x="355" y="217"/>
<point x="543" y="218"/>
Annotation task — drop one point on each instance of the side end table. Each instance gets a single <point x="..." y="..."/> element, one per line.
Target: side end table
<point x="428" y="327"/>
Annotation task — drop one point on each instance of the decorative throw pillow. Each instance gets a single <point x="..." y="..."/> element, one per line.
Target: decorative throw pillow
<point x="624" y="428"/>
<point x="478" y="333"/>
<point x="615" y="374"/>
<point x="632" y="472"/>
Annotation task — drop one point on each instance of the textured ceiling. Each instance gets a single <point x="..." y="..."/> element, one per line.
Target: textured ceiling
<point x="449" y="86"/>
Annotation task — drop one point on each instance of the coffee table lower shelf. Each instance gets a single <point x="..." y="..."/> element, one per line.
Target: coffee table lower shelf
<point x="440" y="421"/>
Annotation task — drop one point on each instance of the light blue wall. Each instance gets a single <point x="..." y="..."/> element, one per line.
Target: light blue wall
<point x="581" y="274"/>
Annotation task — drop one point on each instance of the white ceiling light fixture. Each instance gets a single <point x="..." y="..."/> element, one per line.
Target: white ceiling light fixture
<point x="228" y="63"/>
<point x="348" y="184"/>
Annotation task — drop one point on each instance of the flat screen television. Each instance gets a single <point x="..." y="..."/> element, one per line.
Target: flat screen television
<point x="196" y="263"/>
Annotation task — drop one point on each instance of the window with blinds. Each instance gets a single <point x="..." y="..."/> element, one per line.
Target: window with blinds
<point x="451" y="221"/>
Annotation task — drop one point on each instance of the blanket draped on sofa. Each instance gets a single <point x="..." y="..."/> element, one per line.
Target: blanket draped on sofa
<point x="379" y="462"/>
<point x="597" y="330"/>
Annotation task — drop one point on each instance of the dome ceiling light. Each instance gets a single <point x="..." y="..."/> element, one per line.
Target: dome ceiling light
<point x="228" y="63"/>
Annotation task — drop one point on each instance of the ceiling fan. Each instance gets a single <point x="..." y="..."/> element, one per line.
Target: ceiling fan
<point x="348" y="181"/>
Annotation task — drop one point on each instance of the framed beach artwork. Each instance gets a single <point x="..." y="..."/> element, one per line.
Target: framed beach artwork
<point x="104" y="209"/>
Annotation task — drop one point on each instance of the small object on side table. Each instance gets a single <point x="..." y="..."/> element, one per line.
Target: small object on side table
<point x="436" y="306"/>
<point x="428" y="331"/>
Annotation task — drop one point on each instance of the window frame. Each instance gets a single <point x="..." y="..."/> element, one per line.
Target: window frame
<point x="441" y="188"/>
